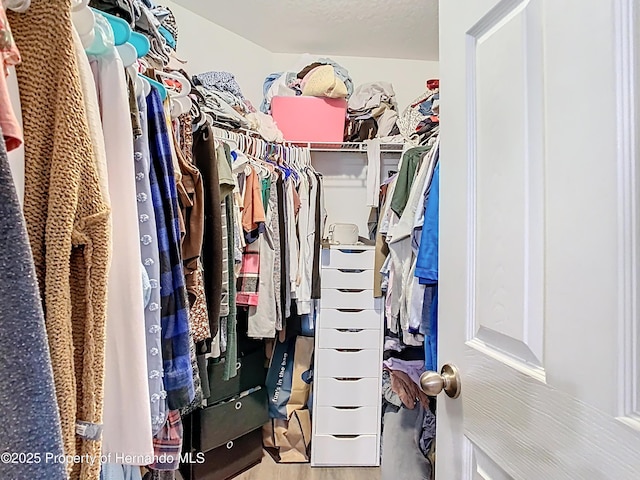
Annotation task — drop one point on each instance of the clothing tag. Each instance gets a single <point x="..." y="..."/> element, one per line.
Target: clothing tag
<point x="90" y="431"/>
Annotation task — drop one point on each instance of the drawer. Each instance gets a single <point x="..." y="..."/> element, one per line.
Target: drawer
<point x="347" y="393"/>
<point x="344" y="278"/>
<point x="232" y="419"/>
<point x="227" y="460"/>
<point x="348" y="258"/>
<point x="346" y="421"/>
<point x="352" y="300"/>
<point x="251" y="373"/>
<point x="345" y="451"/>
<point x="348" y="364"/>
<point x="353" y="339"/>
<point x="345" y="318"/>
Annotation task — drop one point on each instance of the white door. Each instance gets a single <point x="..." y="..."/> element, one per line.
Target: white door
<point x="539" y="240"/>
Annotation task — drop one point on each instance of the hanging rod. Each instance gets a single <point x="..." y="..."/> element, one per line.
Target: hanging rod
<point x="341" y="147"/>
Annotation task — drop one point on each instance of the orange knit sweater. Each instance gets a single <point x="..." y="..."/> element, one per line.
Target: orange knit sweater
<point x="67" y="220"/>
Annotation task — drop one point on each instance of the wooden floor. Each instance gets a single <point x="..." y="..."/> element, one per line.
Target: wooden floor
<point x="269" y="470"/>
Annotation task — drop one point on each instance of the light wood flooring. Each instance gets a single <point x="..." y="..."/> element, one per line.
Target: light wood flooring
<point x="270" y="470"/>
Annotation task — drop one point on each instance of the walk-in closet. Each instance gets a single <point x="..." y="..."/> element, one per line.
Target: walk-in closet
<point x="228" y="251"/>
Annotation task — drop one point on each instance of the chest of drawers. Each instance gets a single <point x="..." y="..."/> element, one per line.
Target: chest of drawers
<point x="348" y="361"/>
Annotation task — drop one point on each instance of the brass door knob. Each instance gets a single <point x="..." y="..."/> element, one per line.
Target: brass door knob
<point x="432" y="383"/>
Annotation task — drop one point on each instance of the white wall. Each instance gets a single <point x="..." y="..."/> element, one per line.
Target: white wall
<point x="207" y="46"/>
<point x="409" y="77"/>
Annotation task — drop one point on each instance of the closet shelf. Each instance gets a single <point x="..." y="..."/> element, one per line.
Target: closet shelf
<point x="341" y="147"/>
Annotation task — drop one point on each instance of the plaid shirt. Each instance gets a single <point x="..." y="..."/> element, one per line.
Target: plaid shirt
<point x="178" y="380"/>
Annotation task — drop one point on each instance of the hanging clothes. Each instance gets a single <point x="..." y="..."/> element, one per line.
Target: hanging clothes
<point x="127" y="411"/>
<point x="150" y="258"/>
<point x="178" y="374"/>
<point x="70" y="239"/>
<point x="27" y="397"/>
<point x="204" y="155"/>
<point x="263" y="316"/>
<point x="11" y="130"/>
<point x="427" y="265"/>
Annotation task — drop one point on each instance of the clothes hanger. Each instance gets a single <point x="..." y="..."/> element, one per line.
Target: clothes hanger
<point x="141" y="43"/>
<point x="84" y="22"/>
<point x="18" y="6"/>
<point x="127" y="53"/>
<point x="103" y="37"/>
<point x="121" y="29"/>
<point x="180" y="101"/>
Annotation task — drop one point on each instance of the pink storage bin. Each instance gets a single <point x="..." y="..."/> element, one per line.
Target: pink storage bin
<point x="310" y="119"/>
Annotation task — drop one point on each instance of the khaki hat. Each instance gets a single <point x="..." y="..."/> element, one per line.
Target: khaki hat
<point x="322" y="82"/>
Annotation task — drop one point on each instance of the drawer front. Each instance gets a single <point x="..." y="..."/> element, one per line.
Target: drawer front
<point x="232" y="419"/>
<point x="347" y="393"/>
<point x="229" y="459"/>
<point x="334" y="318"/>
<point x="343" y="338"/>
<point x="360" y="450"/>
<point x="335" y="278"/>
<point x="348" y="258"/>
<point x="348" y="364"/>
<point x="251" y="373"/>
<point x="358" y="300"/>
<point x="346" y="421"/>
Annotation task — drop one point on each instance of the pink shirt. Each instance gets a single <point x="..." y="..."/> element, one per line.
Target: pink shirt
<point x="10" y="55"/>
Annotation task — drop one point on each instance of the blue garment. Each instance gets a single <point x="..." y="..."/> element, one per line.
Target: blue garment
<point x="113" y="471"/>
<point x="178" y="374"/>
<point x="265" y="106"/>
<point x="146" y="287"/>
<point x="28" y="407"/>
<point x="426" y="107"/>
<point x="167" y="36"/>
<point x="427" y="262"/>
<point x="150" y="259"/>
<point x="427" y="302"/>
<point x="431" y="340"/>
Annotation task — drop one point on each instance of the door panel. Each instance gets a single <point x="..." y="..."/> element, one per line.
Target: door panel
<point x="483" y="468"/>
<point x="506" y="178"/>
<point x="539" y="238"/>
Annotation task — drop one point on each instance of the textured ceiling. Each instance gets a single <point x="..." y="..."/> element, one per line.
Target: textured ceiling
<point x="366" y="28"/>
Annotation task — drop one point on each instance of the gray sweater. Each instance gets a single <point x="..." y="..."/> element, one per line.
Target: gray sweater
<point x="30" y="423"/>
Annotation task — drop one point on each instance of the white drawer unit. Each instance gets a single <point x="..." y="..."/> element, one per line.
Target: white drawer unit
<point x="346" y="392"/>
<point x="349" y="299"/>
<point x="359" y="450"/>
<point x="350" y="318"/>
<point x="356" y="257"/>
<point x="346" y="420"/>
<point x="349" y="338"/>
<point x="348" y="361"/>
<point x="347" y="278"/>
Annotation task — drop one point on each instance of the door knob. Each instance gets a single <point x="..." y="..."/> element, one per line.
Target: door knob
<point x="432" y="383"/>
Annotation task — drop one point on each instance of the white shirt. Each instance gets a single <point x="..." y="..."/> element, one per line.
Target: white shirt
<point x="127" y="414"/>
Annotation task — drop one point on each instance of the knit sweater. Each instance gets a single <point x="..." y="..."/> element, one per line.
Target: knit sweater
<point x="27" y="400"/>
<point x="67" y="219"/>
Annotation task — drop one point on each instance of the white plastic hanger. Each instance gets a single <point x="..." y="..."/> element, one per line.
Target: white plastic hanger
<point x="180" y="101"/>
<point x="84" y="22"/>
<point x="127" y="53"/>
<point x="19" y="6"/>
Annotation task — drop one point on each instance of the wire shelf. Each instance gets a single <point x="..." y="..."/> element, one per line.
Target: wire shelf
<point x="341" y="147"/>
